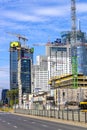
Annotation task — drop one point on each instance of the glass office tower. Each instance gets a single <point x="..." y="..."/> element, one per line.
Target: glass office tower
<point x="81" y="43"/>
<point x="26" y="57"/>
<point x="82" y="59"/>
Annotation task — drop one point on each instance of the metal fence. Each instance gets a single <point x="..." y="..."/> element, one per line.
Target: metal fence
<point x="72" y="115"/>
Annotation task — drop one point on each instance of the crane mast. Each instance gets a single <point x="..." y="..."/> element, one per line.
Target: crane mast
<point x="73" y="17"/>
<point x="73" y="44"/>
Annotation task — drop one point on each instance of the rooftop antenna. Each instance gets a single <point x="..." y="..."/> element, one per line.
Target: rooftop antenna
<point x="48" y="39"/>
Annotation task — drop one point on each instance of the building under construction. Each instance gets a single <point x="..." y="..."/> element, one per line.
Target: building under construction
<point x="60" y="56"/>
<point x="21" y="60"/>
<point x="64" y="91"/>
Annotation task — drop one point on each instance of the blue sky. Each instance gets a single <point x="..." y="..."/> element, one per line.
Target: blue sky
<point x="38" y="20"/>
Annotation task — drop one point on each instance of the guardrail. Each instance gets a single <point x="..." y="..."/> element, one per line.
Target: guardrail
<point x="73" y="115"/>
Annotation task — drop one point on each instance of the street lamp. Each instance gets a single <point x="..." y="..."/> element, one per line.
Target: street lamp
<point x="59" y="97"/>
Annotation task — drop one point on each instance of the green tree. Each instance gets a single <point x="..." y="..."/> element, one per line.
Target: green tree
<point x="1" y="103"/>
<point x="12" y="95"/>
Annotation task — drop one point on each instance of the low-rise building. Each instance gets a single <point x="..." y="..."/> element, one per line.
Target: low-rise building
<point x="42" y="100"/>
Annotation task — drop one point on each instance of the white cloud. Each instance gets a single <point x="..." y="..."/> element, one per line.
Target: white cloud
<point x="53" y="11"/>
<point x="82" y="7"/>
<point x="36" y="12"/>
<point x="16" y="16"/>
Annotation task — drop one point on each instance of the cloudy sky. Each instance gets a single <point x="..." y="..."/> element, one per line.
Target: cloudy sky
<point x="39" y="21"/>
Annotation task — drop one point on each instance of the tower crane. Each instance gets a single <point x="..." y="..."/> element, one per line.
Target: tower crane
<point x="73" y="44"/>
<point x="19" y="36"/>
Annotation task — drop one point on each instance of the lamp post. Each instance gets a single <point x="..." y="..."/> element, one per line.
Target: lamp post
<point x="59" y="97"/>
<point x="56" y="62"/>
<point x="67" y="98"/>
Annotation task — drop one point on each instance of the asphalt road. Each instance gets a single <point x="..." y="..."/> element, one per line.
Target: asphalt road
<point x="10" y="121"/>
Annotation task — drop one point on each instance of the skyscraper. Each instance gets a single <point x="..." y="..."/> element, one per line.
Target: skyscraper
<point x="81" y="47"/>
<point x="59" y="58"/>
<point x="26" y="60"/>
<point x="40" y="74"/>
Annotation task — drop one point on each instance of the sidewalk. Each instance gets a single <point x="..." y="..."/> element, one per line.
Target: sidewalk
<point x="74" y="123"/>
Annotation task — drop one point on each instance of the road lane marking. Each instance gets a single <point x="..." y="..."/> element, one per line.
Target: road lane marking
<point x="33" y="122"/>
<point x="9" y="123"/>
<point x="3" y="121"/>
<point x="25" y="120"/>
<point x="15" y="127"/>
<point x="44" y="125"/>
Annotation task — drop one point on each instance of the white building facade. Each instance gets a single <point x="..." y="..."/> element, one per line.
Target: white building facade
<point x="40" y="74"/>
<point x="59" y="60"/>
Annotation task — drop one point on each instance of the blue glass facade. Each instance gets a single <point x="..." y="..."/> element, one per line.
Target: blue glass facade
<point x="13" y="68"/>
<point x="26" y="61"/>
<point x="4" y="96"/>
<point x="81" y="49"/>
<point x="26" y="75"/>
<point x="82" y="59"/>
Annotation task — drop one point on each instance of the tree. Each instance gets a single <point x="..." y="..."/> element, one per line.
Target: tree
<point x="1" y="103"/>
<point x="12" y="96"/>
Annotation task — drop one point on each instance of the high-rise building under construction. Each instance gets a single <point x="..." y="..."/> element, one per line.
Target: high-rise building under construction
<point x="81" y="46"/>
<point x="59" y="53"/>
<point x="26" y="60"/>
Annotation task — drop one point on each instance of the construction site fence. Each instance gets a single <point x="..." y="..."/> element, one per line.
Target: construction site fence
<point x="73" y="115"/>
